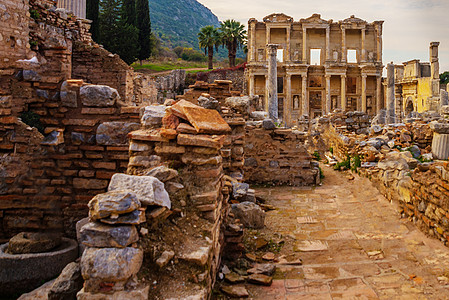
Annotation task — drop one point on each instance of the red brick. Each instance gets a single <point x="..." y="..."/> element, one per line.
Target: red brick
<point x="8" y="120"/>
<point x="104" y="174"/>
<point x="104" y="165"/>
<point x="92" y="148"/>
<point x="86" y="173"/>
<point x="80" y="122"/>
<point x="113" y="148"/>
<point x="89" y="184"/>
<point x="97" y="111"/>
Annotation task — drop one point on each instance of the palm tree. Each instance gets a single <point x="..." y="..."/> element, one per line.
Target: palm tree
<point x="208" y="38"/>
<point x="233" y="36"/>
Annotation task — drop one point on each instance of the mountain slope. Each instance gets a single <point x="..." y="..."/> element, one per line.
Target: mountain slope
<point x="177" y="22"/>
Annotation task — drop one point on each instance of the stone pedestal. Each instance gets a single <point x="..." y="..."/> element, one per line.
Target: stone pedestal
<point x="272" y="83"/>
<point x="443" y="98"/>
<point x="440" y="142"/>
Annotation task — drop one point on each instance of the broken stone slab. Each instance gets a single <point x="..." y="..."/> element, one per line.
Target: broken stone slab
<point x="133" y="218"/>
<point x="266" y="269"/>
<point x="98" y="95"/>
<point x="178" y="108"/>
<point x="440" y="145"/>
<point x="199" y="256"/>
<point x="186" y="128"/>
<point x="144" y="161"/>
<point x="115" y="202"/>
<point x="234" y="278"/>
<point x="149" y="190"/>
<point x="308" y="246"/>
<point x="56" y="137"/>
<point x="239" y="104"/>
<point x="260" y="279"/>
<point x="199" y="141"/>
<point x="33" y="242"/>
<point x="170" y="121"/>
<point x="151" y="116"/>
<point x="165" y="258"/>
<point x="235" y="291"/>
<point x="114" y="133"/>
<point x="68" y="283"/>
<point x="139" y="293"/>
<point x="206" y="120"/>
<point x="162" y="173"/>
<point x="68" y="97"/>
<point x="111" y="264"/>
<point x="250" y="214"/>
<point x="99" y="235"/>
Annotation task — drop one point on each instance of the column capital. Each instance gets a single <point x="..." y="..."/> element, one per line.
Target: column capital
<point x="343" y="75"/>
<point x="364" y="76"/>
<point x="272" y="48"/>
<point x="328" y="75"/>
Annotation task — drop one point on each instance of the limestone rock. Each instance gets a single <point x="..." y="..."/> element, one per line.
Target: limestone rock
<point x="111" y="264"/>
<point x="68" y="283"/>
<point x="152" y="116"/>
<point x="133" y="218"/>
<point x="259" y="115"/>
<point x="235" y="291"/>
<point x="68" y="96"/>
<point x="268" y="124"/>
<point x="149" y="190"/>
<point x="33" y="242"/>
<point x="113" y="202"/>
<point x="240" y="104"/>
<point x="114" y="133"/>
<point x="186" y="128"/>
<point x="165" y="258"/>
<point x="250" y="214"/>
<point x="98" y="95"/>
<point x="178" y="108"/>
<point x="209" y="103"/>
<point x="162" y="173"/>
<point x="98" y="235"/>
<point x="239" y="190"/>
<point x="170" y="121"/>
<point x="234" y="278"/>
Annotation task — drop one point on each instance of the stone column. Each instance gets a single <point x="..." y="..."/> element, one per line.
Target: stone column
<point x="434" y="63"/>
<point x="251" y="85"/>
<point x="305" y="100"/>
<point x="343" y="45"/>
<point x="268" y="40"/>
<point x="287" y="48"/>
<point x="304" y="45"/>
<point x="440" y="141"/>
<point x="328" y="56"/>
<point x="253" y="41"/>
<point x="363" y="46"/>
<point x="391" y="118"/>
<point x="77" y="7"/>
<point x="288" y="101"/>
<point x="364" y="92"/>
<point x="272" y="82"/>
<point x="379" y="42"/>
<point x="327" y="108"/>
<point x="378" y="94"/>
<point x="443" y="98"/>
<point x="343" y="92"/>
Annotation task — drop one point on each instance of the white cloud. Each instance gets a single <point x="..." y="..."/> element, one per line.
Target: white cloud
<point x="410" y="25"/>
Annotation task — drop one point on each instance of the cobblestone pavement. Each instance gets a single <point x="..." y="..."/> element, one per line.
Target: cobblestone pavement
<point x="353" y="245"/>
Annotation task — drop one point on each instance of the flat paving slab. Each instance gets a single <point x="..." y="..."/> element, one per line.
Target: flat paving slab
<point x="353" y="245"/>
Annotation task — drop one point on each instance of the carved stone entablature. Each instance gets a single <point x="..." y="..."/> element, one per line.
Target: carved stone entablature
<point x="315" y="19"/>
<point x="278" y="17"/>
<point x="353" y="19"/>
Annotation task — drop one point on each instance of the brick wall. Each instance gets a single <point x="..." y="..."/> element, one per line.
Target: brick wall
<point x="278" y="156"/>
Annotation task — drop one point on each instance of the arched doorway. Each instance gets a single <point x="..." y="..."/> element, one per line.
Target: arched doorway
<point x="409" y="106"/>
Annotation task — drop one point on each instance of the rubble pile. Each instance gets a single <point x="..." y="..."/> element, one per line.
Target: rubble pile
<point x="220" y="90"/>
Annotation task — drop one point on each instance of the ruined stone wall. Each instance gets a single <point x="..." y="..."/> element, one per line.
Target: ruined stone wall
<point x="278" y="156"/>
<point x="98" y="66"/>
<point x="421" y="190"/>
<point x="236" y="75"/>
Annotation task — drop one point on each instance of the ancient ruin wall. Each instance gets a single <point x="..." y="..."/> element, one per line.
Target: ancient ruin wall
<point x="278" y="156"/>
<point x="420" y="190"/>
<point x="236" y="75"/>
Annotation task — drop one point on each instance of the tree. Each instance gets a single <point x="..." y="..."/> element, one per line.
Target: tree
<point x="115" y="34"/>
<point x="233" y="37"/>
<point x="144" y="26"/>
<point x="444" y="78"/>
<point x="129" y="12"/>
<point x="92" y="11"/>
<point x="209" y="38"/>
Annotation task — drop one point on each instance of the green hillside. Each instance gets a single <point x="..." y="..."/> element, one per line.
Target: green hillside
<point x="177" y="22"/>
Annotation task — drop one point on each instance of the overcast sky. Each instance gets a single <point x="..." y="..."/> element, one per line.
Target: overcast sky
<point x="410" y="25"/>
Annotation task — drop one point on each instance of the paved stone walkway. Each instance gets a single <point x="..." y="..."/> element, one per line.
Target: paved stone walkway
<point x="353" y="245"/>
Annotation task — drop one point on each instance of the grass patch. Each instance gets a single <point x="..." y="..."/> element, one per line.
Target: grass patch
<point x="169" y="65"/>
